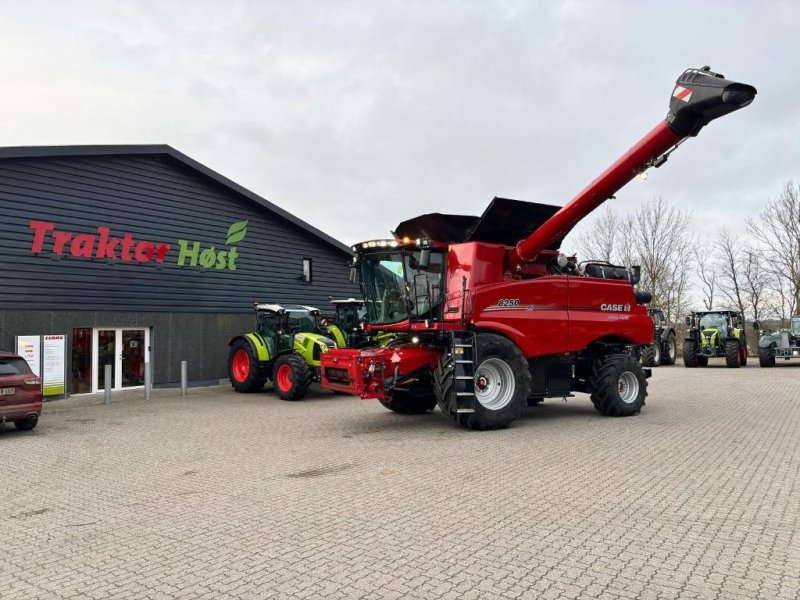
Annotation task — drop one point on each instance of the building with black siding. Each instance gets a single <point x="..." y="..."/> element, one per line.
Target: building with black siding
<point x="136" y="249"/>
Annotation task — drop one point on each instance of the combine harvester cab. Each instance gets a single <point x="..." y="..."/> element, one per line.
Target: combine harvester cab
<point x="486" y="314"/>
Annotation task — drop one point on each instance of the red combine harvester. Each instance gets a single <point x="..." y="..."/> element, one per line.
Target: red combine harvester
<point x="484" y="324"/>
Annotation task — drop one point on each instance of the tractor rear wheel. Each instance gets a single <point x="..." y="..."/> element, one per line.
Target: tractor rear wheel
<point x="670" y="350"/>
<point x="690" y="358"/>
<point x="502" y="384"/>
<point x="648" y="354"/>
<point x="618" y="386"/>
<point x="765" y="357"/>
<point x="291" y="377"/>
<point x="244" y="370"/>
<point x="410" y="404"/>
<point x="733" y="351"/>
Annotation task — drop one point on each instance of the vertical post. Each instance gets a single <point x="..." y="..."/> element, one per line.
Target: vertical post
<point x="183" y="378"/>
<point x="107" y="385"/>
<point x="148" y="380"/>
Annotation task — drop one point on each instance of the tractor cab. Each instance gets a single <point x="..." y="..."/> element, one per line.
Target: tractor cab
<point x="277" y="324"/>
<point x="346" y="326"/>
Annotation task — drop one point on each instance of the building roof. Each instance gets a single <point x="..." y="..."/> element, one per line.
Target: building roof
<point x="169" y="151"/>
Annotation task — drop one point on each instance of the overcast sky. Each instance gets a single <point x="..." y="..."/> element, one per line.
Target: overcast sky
<point x="355" y="116"/>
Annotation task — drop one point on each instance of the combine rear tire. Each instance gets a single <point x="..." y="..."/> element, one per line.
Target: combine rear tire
<point x="670" y="350"/>
<point x="409" y="404"/>
<point x="502" y="384"/>
<point x="649" y="354"/>
<point x="618" y="386"/>
<point x="27" y="423"/>
<point x="690" y="358"/>
<point x="243" y="368"/>
<point x="292" y="377"/>
<point x="733" y="354"/>
<point x="765" y="357"/>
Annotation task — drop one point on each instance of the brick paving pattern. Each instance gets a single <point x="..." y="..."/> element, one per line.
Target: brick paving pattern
<point x="222" y="495"/>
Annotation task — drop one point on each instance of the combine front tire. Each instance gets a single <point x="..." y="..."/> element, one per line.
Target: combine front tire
<point x="733" y="357"/>
<point x="292" y="376"/>
<point x="618" y="386"/>
<point x="690" y="358"/>
<point x="502" y="384"/>
<point x="409" y="404"/>
<point x="243" y="368"/>
<point x="670" y="351"/>
<point x="765" y="357"/>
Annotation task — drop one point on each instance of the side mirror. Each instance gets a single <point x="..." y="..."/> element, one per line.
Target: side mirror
<point x="425" y="258"/>
<point x="636" y="274"/>
<point x="688" y="321"/>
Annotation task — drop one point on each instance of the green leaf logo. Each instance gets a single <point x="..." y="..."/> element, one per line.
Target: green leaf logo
<point x="236" y="232"/>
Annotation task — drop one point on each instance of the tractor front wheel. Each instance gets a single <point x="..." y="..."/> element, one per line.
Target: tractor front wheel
<point x="618" y="386"/>
<point x="291" y="377"/>
<point x="243" y="368"/>
<point x="648" y="354"/>
<point x="690" y="358"/>
<point x="765" y="357"/>
<point x="670" y="350"/>
<point x="410" y="404"/>
<point x="733" y="356"/>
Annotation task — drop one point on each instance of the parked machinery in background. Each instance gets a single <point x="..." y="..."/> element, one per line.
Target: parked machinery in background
<point x="662" y="350"/>
<point x="285" y="347"/>
<point x="715" y="334"/>
<point x="487" y="313"/>
<point x="346" y="326"/>
<point x="781" y="344"/>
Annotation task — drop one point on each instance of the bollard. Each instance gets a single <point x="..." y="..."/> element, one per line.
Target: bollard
<point x="183" y="378"/>
<point x="107" y="385"/>
<point x="148" y="380"/>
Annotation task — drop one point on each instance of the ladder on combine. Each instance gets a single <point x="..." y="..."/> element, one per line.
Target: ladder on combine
<point x="463" y="352"/>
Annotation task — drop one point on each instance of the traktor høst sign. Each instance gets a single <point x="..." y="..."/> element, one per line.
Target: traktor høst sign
<point x="106" y="245"/>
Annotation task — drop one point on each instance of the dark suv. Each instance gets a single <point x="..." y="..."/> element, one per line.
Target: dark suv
<point x="20" y="392"/>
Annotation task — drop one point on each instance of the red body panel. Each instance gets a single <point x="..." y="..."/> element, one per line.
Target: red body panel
<point x="26" y="399"/>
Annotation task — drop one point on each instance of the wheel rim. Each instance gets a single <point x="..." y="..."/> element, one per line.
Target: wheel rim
<point x="671" y="346"/>
<point x="494" y="384"/>
<point x="240" y="366"/>
<point x="657" y="353"/>
<point x="628" y="387"/>
<point x="284" y="377"/>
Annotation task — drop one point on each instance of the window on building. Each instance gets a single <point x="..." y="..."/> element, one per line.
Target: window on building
<point x="306" y="270"/>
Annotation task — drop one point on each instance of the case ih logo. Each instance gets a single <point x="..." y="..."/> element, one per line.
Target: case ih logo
<point x="615" y="307"/>
<point x="125" y="248"/>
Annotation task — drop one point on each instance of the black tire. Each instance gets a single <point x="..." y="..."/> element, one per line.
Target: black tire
<point x="410" y="404"/>
<point x="744" y="357"/>
<point x="291" y="376"/>
<point x="732" y="350"/>
<point x="670" y="350"/>
<point x="766" y="358"/>
<point x="500" y="351"/>
<point x="255" y="378"/>
<point x="618" y="386"/>
<point x="690" y="357"/>
<point x="648" y="354"/>
<point x="27" y="424"/>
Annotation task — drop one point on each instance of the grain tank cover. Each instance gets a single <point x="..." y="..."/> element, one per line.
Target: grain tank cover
<point x="700" y="96"/>
<point x="505" y="221"/>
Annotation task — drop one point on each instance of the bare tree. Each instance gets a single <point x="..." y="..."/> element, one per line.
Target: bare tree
<point x="756" y="281"/>
<point x="730" y="254"/>
<point x="602" y="241"/>
<point x="707" y="272"/>
<point x="777" y="232"/>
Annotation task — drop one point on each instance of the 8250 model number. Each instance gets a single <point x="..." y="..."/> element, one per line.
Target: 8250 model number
<point x="508" y="302"/>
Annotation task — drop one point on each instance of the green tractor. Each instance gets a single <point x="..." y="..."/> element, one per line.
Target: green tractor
<point x="783" y="343"/>
<point x="345" y="326"/>
<point x="286" y="348"/>
<point x="662" y="350"/>
<point x="715" y="333"/>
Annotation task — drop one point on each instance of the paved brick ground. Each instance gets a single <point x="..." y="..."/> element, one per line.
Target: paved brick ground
<point x="220" y="495"/>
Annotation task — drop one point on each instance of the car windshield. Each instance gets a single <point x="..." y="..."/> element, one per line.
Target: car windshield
<point x="796" y="326"/>
<point x="396" y="288"/>
<point x="713" y="320"/>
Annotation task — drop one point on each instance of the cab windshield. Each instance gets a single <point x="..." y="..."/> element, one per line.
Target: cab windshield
<point x="796" y="326"/>
<point x="715" y="321"/>
<point x="396" y="288"/>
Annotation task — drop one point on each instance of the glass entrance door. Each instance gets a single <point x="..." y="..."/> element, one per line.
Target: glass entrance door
<point x="124" y="348"/>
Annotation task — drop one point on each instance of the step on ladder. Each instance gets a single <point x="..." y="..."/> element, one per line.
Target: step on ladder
<point x="463" y="351"/>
